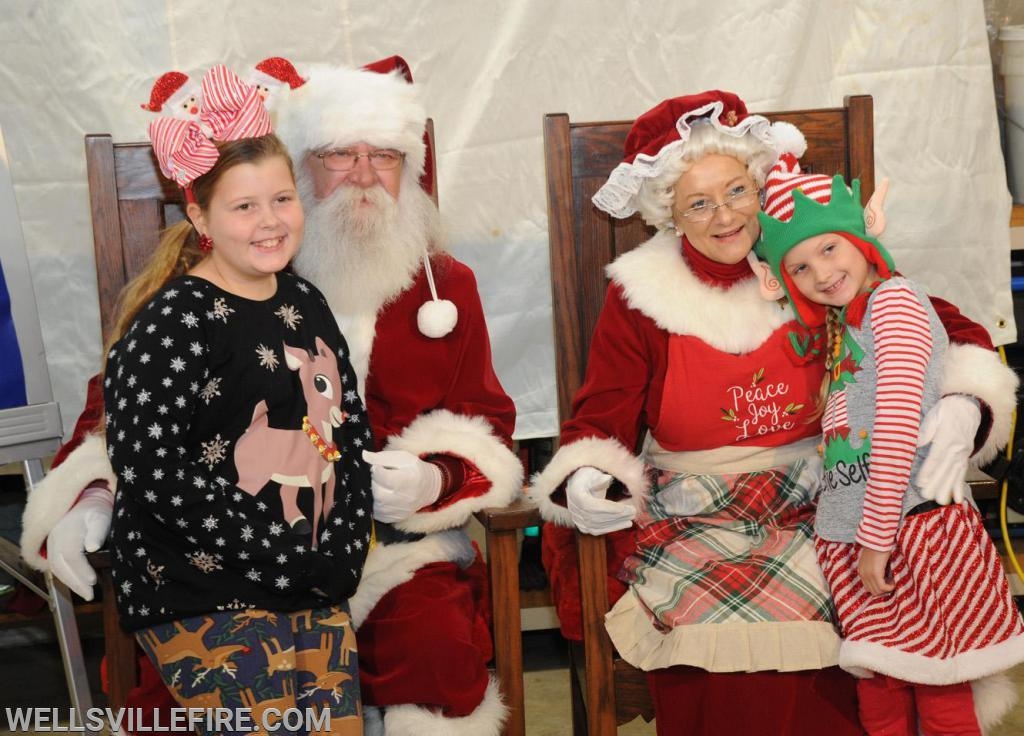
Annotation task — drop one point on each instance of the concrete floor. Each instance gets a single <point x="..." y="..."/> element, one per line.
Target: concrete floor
<point x="31" y="677"/>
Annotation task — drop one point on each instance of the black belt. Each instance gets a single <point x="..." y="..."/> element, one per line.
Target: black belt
<point x="387" y="534"/>
<point x="924" y="508"/>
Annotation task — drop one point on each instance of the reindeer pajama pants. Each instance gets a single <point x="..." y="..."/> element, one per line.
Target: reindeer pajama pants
<point x="261" y="660"/>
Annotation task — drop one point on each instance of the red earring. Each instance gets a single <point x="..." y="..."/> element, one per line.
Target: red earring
<point x="205" y="243"/>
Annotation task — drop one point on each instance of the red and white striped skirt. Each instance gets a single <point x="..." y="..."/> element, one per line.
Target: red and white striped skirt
<point x="951" y="617"/>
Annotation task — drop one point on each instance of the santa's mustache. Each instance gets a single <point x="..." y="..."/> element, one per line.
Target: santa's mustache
<point x="360" y="213"/>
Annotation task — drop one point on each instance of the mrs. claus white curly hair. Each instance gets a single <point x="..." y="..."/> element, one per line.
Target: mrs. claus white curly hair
<point x="657" y="194"/>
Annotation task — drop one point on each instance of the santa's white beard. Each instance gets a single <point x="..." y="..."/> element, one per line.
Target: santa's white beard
<point x="362" y="256"/>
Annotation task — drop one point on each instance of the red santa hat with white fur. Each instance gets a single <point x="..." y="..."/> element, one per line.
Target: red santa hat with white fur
<point x="341" y="106"/>
<point x="660" y="135"/>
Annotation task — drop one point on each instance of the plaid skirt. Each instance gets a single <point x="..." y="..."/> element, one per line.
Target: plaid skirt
<point x="724" y="576"/>
<point x="951" y="617"/>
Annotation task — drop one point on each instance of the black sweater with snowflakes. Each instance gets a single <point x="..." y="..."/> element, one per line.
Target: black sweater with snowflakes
<point x="221" y="414"/>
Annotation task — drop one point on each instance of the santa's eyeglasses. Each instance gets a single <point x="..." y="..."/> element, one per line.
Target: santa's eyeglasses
<point x="345" y="159"/>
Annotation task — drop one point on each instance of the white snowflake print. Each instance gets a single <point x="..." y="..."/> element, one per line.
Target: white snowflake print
<point x="282" y="582"/>
<point x="214" y="451"/>
<point x="210" y="390"/>
<point x="156" y="572"/>
<point x="267" y="356"/>
<point x="301" y="286"/>
<point x="220" y="310"/>
<point x="247" y="533"/>
<point x="276" y="529"/>
<point x="195" y="348"/>
<point x="289" y="315"/>
<point x="210" y="523"/>
<point x="189" y="320"/>
<point x="204" y="561"/>
<point x="253" y="575"/>
<point x="155" y="431"/>
<point x="177" y="365"/>
<point x="170" y="293"/>
<point x="167" y="342"/>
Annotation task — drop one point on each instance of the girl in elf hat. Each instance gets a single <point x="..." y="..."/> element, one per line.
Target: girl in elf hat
<point x="692" y="443"/>
<point x="229" y="398"/>
<point x="922" y="601"/>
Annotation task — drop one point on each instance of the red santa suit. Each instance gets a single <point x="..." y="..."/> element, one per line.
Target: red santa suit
<point x="421" y="608"/>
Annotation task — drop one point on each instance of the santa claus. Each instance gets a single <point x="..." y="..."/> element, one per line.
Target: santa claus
<point x="441" y="421"/>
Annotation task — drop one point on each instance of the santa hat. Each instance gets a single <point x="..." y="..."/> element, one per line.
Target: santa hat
<point x="659" y="136"/>
<point x="277" y="71"/>
<point x="377" y="105"/>
<point x="170" y="89"/>
<point x="339" y="106"/>
<point x="799" y="206"/>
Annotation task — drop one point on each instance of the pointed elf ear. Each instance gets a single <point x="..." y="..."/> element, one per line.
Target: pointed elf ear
<point x="874" y="211"/>
<point x="771" y="287"/>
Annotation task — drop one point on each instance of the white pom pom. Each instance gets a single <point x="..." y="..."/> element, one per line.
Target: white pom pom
<point x="787" y="138"/>
<point x="437" y="317"/>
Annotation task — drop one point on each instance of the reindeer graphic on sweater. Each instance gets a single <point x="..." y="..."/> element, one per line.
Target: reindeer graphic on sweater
<point x="301" y="457"/>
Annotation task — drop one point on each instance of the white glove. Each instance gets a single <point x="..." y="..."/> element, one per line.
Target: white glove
<point x="950" y="427"/>
<point x="82" y="529"/>
<point x="591" y="512"/>
<point x="402" y="484"/>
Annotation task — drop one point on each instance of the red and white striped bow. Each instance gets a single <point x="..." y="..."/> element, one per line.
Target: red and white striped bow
<point x="230" y="110"/>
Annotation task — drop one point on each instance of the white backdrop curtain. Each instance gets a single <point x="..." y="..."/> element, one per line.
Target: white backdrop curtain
<point x="488" y="71"/>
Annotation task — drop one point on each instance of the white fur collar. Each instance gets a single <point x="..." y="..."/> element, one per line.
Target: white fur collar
<point x="657" y="282"/>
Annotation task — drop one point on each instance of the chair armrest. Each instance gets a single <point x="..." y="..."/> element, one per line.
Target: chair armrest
<point x="519" y="514"/>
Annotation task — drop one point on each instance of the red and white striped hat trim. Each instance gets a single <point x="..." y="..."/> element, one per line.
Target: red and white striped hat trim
<point x="784" y="177"/>
<point x="230" y="110"/>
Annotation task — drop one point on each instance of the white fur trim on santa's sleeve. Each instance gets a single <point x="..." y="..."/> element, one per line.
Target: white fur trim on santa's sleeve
<point x="471" y="438"/>
<point x="415" y="720"/>
<point x="602" y="453"/>
<point x="57" y="493"/>
<point x="975" y="371"/>
<point x="390" y="565"/>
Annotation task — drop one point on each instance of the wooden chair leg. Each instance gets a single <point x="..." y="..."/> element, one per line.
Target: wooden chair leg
<point x="503" y="571"/>
<point x="501" y="526"/>
<point x="579" y="706"/>
<point x="119" y="646"/>
<point x="597" y="647"/>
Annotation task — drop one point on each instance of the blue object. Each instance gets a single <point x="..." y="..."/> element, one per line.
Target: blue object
<point x="531" y="531"/>
<point x="12" y="374"/>
<point x="1017" y="283"/>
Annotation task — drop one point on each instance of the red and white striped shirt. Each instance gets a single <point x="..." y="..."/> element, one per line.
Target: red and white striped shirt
<point x="903" y="347"/>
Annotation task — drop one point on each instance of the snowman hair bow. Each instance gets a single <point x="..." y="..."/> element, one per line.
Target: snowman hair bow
<point x="230" y="110"/>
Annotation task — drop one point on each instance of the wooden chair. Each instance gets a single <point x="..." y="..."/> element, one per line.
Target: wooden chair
<point x="607" y="691"/>
<point x="131" y="203"/>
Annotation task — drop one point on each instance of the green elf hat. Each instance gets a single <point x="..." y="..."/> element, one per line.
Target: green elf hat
<point x="799" y="206"/>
